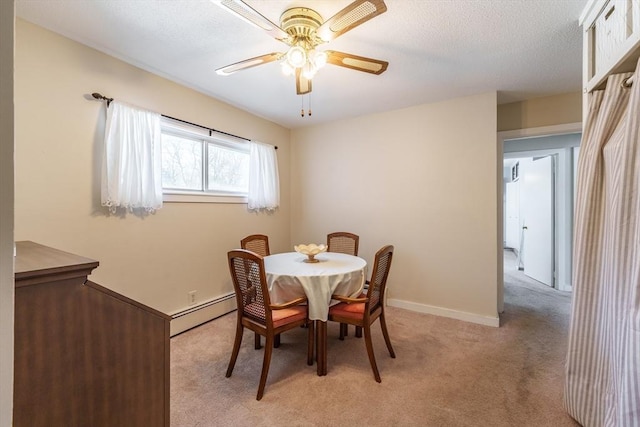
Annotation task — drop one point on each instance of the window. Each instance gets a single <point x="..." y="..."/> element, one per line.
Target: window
<point x="515" y="171"/>
<point x="196" y="163"/>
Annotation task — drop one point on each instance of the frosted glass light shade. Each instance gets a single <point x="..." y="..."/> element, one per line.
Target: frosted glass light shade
<point x="296" y="56"/>
<point x="319" y="58"/>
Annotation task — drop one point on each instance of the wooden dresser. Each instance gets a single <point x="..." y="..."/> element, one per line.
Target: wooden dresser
<point x="84" y="355"/>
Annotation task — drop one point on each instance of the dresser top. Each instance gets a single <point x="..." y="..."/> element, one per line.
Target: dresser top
<point x="34" y="260"/>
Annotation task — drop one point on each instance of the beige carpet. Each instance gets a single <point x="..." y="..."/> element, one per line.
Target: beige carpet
<point x="447" y="372"/>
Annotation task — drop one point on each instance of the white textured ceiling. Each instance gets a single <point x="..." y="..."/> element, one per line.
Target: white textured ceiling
<point x="437" y="50"/>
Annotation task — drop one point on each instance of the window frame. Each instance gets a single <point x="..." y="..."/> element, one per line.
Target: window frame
<point x="205" y="137"/>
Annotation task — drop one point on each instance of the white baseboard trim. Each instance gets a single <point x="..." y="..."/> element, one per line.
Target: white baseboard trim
<point x="195" y="315"/>
<point x="565" y="287"/>
<point x="445" y="312"/>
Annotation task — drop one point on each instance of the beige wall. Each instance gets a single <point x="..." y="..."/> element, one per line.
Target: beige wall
<point x="6" y="211"/>
<point x="422" y="179"/>
<point x="538" y="112"/>
<point x="59" y="130"/>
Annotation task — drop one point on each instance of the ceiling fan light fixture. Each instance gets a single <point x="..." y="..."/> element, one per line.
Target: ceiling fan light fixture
<point x="296" y="57"/>
<point x="319" y="58"/>
<point x="303" y="30"/>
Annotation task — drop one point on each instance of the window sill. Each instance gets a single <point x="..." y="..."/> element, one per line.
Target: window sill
<point x="202" y="198"/>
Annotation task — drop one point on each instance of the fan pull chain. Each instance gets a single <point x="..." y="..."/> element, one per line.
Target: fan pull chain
<point x="302" y="106"/>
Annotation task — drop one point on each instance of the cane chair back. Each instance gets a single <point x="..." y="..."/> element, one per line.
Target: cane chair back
<point x="343" y="242"/>
<point x="246" y="273"/>
<point x="258" y="243"/>
<point x="378" y="282"/>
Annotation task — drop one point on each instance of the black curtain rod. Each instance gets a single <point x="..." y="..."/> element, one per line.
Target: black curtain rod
<point x="109" y="100"/>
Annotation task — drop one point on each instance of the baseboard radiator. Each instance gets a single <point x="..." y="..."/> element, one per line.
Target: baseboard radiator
<point x="195" y="315"/>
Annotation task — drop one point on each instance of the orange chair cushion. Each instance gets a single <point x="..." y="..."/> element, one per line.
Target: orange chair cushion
<point x="288" y="315"/>
<point x="351" y="311"/>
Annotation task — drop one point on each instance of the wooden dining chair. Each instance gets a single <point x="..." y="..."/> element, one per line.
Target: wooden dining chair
<point x="258" y="243"/>
<point x="343" y="242"/>
<point x="365" y="309"/>
<point x="256" y="312"/>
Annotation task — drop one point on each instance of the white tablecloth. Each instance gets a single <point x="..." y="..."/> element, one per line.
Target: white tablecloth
<point x="289" y="277"/>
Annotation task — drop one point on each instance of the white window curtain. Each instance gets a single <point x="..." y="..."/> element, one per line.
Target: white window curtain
<point x="132" y="161"/>
<point x="264" y="182"/>
<point x="602" y="385"/>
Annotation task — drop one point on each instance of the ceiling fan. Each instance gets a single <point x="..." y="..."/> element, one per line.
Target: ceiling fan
<point x="303" y="30"/>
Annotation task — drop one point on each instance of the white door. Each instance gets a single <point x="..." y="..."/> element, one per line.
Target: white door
<point x="537" y="194"/>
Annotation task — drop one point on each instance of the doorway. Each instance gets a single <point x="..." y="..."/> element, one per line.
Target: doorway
<point x="530" y="215"/>
<point x="561" y="145"/>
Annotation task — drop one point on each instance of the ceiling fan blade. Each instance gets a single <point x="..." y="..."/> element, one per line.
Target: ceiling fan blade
<point x="359" y="63"/>
<point x="303" y="85"/>
<point x="250" y="15"/>
<point x="248" y="63"/>
<point x="358" y="12"/>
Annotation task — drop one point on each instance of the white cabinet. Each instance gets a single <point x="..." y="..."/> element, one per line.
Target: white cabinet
<point x="611" y="39"/>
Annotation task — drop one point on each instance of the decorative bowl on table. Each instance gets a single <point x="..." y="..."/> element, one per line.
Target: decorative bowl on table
<point x="310" y="250"/>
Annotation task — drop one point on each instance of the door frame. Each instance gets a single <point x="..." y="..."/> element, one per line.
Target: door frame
<point x="535" y="132"/>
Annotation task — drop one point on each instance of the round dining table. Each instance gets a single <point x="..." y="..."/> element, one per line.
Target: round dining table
<point x="290" y="275"/>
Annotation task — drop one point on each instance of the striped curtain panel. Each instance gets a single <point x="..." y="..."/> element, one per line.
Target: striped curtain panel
<point x="602" y="385"/>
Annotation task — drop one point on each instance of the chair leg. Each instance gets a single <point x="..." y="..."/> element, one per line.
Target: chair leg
<point x="257" y="344"/>
<point x="385" y="333"/>
<point x="268" y="348"/>
<point x="236" y="348"/>
<point x="343" y="331"/>
<point x="276" y="341"/>
<point x="358" y="331"/>
<point x="310" y="341"/>
<point x="372" y="357"/>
